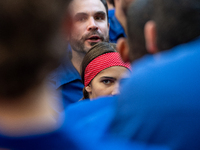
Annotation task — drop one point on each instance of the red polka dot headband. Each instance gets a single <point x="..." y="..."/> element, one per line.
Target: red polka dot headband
<point x="102" y="62"/>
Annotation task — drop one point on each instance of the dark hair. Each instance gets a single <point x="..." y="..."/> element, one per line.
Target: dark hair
<point x="111" y="2"/>
<point x="106" y="6"/>
<point x="97" y="50"/>
<point x="31" y="44"/>
<point x="137" y="16"/>
<point x="177" y="22"/>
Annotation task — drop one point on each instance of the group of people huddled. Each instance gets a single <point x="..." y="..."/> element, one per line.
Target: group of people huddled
<point x="99" y="75"/>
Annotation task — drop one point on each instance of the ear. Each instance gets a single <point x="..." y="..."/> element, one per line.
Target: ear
<point x="151" y="37"/>
<point x="123" y="49"/>
<point x="88" y="89"/>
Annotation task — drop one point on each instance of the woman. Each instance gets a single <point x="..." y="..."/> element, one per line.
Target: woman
<point x="101" y="70"/>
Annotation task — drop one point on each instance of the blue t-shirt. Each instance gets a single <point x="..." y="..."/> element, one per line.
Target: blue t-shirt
<point x="116" y="30"/>
<point x="90" y="120"/>
<point x="160" y="102"/>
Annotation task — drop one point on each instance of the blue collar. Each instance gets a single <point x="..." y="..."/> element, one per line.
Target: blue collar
<point x="65" y="73"/>
<point x="111" y="13"/>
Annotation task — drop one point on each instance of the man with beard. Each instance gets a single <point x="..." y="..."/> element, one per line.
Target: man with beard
<point x="89" y="26"/>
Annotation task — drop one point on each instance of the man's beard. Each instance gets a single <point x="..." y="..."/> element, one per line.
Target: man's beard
<point x="79" y="45"/>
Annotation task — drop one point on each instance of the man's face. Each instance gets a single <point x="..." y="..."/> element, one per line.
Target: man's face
<point x="90" y="24"/>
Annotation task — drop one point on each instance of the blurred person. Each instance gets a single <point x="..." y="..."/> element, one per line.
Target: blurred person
<point x="159" y="104"/>
<point x="102" y="68"/>
<point x="89" y="26"/>
<point x="31" y="45"/>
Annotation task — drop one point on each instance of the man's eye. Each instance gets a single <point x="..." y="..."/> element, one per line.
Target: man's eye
<point x="80" y="19"/>
<point x="98" y="18"/>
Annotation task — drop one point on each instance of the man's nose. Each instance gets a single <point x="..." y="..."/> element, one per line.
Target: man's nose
<point x="92" y="24"/>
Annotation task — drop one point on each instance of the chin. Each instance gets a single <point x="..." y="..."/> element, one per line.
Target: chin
<point x="92" y="44"/>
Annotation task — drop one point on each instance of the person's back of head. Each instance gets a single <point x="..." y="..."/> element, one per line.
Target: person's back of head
<point x="158" y="104"/>
<point x="175" y="22"/>
<point x="30" y="43"/>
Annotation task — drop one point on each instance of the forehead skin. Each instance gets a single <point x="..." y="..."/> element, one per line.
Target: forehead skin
<point x="86" y="6"/>
<point x="114" y="71"/>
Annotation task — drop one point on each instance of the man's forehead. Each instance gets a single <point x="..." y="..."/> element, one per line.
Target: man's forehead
<point x="86" y="6"/>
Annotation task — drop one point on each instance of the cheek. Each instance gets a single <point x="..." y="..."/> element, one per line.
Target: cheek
<point x="77" y="31"/>
<point x="104" y="28"/>
<point x="102" y="91"/>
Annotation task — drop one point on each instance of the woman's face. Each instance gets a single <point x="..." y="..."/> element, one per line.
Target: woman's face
<point x="106" y="82"/>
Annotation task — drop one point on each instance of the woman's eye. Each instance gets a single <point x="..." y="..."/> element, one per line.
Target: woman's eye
<point x="107" y="81"/>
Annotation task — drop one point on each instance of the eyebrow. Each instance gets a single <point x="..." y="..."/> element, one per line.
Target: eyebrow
<point x="85" y="14"/>
<point x="100" y="13"/>
<point x="106" y="77"/>
<point x="80" y="14"/>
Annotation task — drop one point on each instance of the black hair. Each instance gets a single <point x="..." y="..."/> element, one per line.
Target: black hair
<point x="106" y="6"/>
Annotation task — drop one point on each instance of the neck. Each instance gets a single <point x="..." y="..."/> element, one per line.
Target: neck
<point x="77" y="59"/>
<point x="31" y="113"/>
<point x="110" y="6"/>
<point x="119" y="14"/>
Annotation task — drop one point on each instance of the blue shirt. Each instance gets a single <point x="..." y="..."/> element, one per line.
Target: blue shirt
<point x="91" y="119"/>
<point x="80" y="129"/>
<point x="116" y="30"/>
<point x="160" y="102"/>
<point x="67" y="81"/>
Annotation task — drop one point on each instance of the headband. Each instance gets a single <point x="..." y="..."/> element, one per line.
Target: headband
<point x="102" y="62"/>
